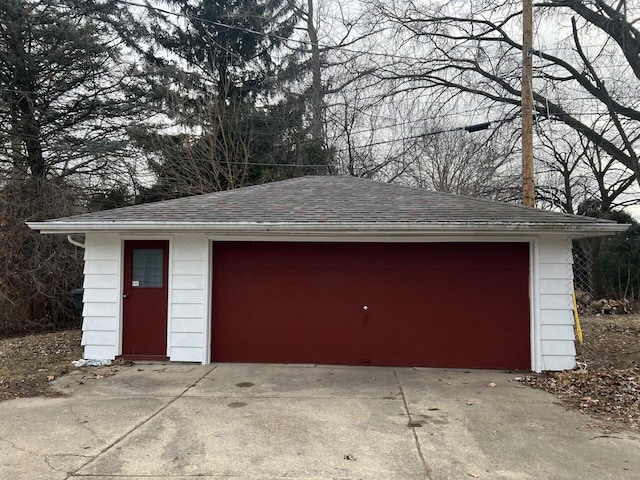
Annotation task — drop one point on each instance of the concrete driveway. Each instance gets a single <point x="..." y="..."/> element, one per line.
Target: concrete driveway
<point x="305" y="422"/>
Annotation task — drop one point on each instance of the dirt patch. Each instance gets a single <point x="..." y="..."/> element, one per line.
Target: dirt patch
<point x="610" y="342"/>
<point x="606" y="383"/>
<point x="29" y="363"/>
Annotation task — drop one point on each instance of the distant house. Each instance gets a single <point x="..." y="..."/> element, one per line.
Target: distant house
<point x="331" y="270"/>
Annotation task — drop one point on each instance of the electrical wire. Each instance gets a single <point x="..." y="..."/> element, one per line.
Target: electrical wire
<point x="262" y="34"/>
<point x="301" y="41"/>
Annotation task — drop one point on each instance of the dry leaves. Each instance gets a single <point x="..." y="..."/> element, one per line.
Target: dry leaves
<point x="27" y="362"/>
<point x="608" y="385"/>
<point x="612" y="395"/>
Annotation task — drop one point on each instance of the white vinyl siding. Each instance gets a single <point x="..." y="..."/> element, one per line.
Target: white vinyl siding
<point x="188" y="298"/>
<point x="101" y="310"/>
<point x="555" y="289"/>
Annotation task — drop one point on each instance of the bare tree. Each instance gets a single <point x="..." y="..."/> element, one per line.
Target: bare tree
<point x="470" y="52"/>
<point x="572" y="172"/>
<point x="464" y="163"/>
<point x="334" y="40"/>
<point x="37" y="272"/>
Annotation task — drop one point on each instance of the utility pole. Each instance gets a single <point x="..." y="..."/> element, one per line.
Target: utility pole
<point x="526" y="94"/>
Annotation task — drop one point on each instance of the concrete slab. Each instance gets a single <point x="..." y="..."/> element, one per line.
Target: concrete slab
<point x="474" y="386"/>
<point x="505" y="432"/>
<point x="309" y="422"/>
<point x="272" y="437"/>
<point x="310" y="381"/>
<point x="182" y="477"/>
<point x="143" y="379"/>
<point x="13" y="462"/>
<point x="59" y="435"/>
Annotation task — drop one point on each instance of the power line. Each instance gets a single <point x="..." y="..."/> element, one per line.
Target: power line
<point x="262" y="34"/>
<point x="308" y="43"/>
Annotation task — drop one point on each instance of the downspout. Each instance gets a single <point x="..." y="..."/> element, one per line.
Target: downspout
<point x="75" y="242"/>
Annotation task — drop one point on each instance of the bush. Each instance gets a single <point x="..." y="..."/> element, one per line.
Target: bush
<point x="619" y="263"/>
<point x="37" y="272"/>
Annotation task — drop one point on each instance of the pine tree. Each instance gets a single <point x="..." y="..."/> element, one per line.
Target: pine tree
<point x="63" y="117"/>
<point x="216" y="71"/>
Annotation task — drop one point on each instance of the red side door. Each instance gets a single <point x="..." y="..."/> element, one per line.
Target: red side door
<point x="145" y="298"/>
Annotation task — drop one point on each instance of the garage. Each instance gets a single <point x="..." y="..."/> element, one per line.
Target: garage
<point x="399" y="304"/>
<point x="331" y="270"/>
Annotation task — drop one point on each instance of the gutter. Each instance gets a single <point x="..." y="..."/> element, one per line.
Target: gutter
<point x="75" y="242"/>
<point x="341" y="229"/>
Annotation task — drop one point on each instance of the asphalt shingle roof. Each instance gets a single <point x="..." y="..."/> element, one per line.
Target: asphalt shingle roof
<point x="330" y="199"/>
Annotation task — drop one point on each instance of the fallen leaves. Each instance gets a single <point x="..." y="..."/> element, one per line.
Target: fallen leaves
<point x="613" y="395"/>
<point x="27" y="362"/>
<point x="607" y="384"/>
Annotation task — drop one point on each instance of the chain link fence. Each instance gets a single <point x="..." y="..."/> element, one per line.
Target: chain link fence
<point x="583" y="266"/>
<point x="607" y="267"/>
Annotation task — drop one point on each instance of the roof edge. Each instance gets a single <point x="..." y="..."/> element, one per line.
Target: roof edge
<point x="346" y="229"/>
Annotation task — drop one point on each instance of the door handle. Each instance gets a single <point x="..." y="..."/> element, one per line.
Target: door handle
<point x="125" y="296"/>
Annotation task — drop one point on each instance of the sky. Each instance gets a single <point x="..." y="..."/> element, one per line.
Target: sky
<point x="634" y="211"/>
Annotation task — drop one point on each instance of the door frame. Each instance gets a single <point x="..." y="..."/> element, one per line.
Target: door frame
<point x="121" y="259"/>
<point x="535" y="352"/>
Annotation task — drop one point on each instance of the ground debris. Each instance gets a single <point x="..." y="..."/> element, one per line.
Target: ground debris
<point x="611" y="395"/>
<point x="607" y="383"/>
<point x="30" y="362"/>
<point x="91" y="363"/>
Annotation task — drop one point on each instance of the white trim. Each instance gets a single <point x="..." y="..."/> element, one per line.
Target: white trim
<point x="332" y="229"/>
<point x="206" y="355"/>
<point x="534" y="280"/>
<point x="468" y="238"/>
<point x="169" y="296"/>
<point x="120" y="303"/>
<point x="534" y="305"/>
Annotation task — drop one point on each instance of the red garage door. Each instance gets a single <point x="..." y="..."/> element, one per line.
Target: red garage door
<point x="433" y="304"/>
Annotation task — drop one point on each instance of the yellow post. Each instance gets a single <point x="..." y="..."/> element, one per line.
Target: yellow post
<point x="577" y="317"/>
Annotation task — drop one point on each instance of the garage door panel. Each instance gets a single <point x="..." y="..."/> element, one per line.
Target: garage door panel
<point x="450" y="345"/>
<point x="302" y="335"/>
<point x="284" y="283"/>
<point x="456" y="305"/>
